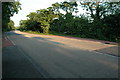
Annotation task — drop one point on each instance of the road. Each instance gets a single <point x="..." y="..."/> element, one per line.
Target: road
<point x="51" y="58"/>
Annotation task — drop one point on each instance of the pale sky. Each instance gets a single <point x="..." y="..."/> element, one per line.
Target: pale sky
<point x="31" y="6"/>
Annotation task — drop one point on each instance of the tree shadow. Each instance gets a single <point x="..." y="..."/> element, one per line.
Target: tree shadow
<point x="48" y="39"/>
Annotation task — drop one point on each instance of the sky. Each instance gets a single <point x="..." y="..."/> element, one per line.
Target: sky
<point x="31" y="6"/>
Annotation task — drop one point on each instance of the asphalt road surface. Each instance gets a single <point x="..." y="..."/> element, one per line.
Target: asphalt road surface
<point x="52" y="59"/>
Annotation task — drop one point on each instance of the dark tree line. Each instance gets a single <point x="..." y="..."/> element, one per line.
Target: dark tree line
<point x="101" y="21"/>
<point x="8" y="10"/>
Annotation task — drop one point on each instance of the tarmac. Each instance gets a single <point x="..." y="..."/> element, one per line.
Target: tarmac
<point x="15" y="64"/>
<point x="101" y="46"/>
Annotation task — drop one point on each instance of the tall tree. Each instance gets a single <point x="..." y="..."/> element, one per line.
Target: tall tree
<point x="8" y="10"/>
<point x="44" y="17"/>
<point x="98" y="10"/>
<point x="68" y="7"/>
<point x="56" y="8"/>
<point x="11" y="25"/>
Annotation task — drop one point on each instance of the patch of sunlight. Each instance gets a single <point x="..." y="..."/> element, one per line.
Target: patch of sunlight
<point x="27" y="36"/>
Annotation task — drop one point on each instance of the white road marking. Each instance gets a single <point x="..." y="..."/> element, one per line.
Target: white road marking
<point x="10" y="40"/>
<point x="104" y="53"/>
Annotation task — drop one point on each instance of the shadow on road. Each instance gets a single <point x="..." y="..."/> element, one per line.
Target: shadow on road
<point x="57" y="59"/>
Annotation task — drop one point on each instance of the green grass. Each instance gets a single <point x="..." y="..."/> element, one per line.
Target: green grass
<point x="35" y="32"/>
<point x="63" y="34"/>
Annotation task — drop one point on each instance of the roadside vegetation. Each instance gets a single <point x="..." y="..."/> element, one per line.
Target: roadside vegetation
<point x="101" y="20"/>
<point x="8" y="10"/>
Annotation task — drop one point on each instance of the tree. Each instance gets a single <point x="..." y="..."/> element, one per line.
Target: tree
<point x="22" y="24"/>
<point x="8" y="10"/>
<point x="98" y="10"/>
<point x="68" y="7"/>
<point x="44" y="17"/>
<point x="112" y="26"/>
<point x="32" y="15"/>
<point x="101" y="13"/>
<point x="11" y="25"/>
<point x="33" y="24"/>
<point x="55" y="8"/>
<point x="105" y="16"/>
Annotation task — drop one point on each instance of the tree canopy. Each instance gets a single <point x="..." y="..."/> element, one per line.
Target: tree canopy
<point x="8" y="10"/>
<point x="11" y="25"/>
<point x="101" y="20"/>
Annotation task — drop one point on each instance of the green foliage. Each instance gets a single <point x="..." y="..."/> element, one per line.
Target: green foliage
<point x="104" y="26"/>
<point x="68" y="7"/>
<point x="22" y="25"/>
<point x="70" y="25"/>
<point x="112" y="27"/>
<point x="8" y="10"/>
<point x="45" y="17"/>
<point x="11" y="25"/>
<point x="39" y="21"/>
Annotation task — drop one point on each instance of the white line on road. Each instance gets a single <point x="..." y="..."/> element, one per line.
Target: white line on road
<point x="10" y="40"/>
<point x="104" y="53"/>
